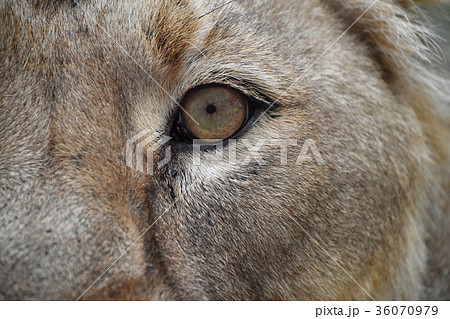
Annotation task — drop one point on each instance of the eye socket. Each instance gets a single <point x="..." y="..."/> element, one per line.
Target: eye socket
<point x="219" y="113"/>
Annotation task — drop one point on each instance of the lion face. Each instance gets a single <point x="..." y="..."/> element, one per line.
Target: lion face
<point x="249" y="220"/>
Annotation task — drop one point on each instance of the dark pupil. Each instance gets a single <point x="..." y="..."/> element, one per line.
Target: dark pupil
<point x="211" y="109"/>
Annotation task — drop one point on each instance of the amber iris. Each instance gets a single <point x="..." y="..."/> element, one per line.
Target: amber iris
<point x="219" y="112"/>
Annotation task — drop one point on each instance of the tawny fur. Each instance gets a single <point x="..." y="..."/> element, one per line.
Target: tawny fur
<point x="78" y="78"/>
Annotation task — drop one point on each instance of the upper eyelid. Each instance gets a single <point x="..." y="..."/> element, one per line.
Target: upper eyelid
<point x="248" y="88"/>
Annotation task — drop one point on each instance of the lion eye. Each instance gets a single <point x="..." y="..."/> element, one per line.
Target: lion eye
<point x="213" y="112"/>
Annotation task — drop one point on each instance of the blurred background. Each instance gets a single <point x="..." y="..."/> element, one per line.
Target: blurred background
<point x="440" y="19"/>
